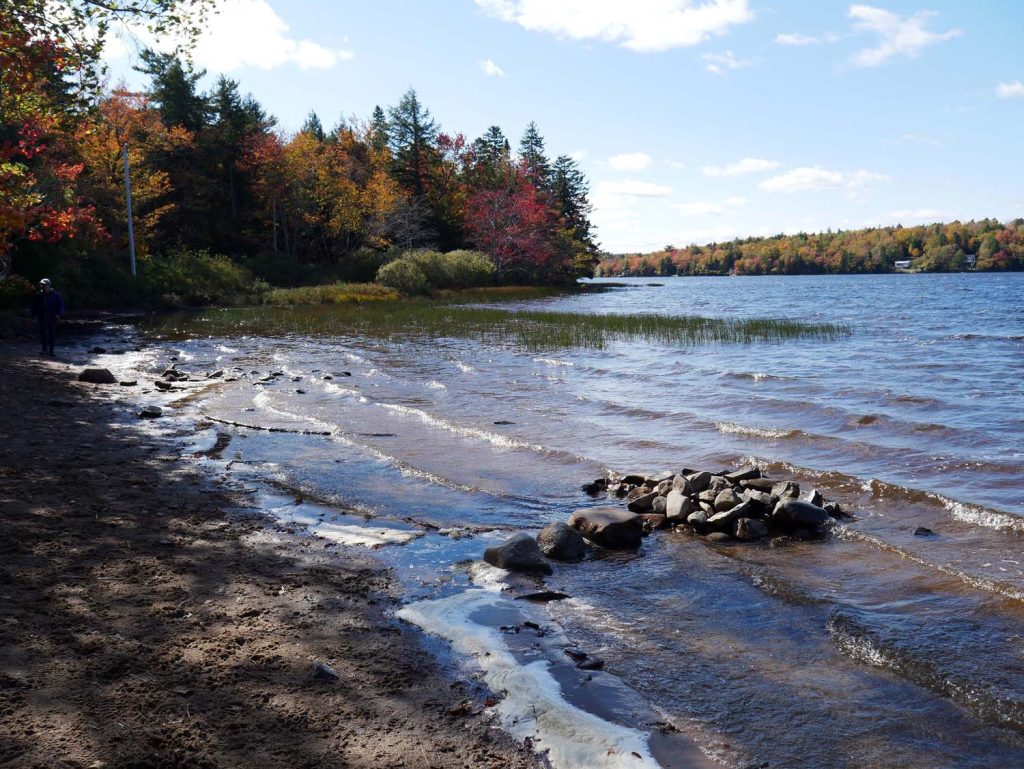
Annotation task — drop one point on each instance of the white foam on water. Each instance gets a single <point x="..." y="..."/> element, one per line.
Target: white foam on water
<point x="433" y="384"/>
<point x="348" y="534"/>
<point x="732" y="428"/>
<point x="488" y="577"/>
<point x="533" y="705"/>
<point x="553" y="362"/>
<point x="201" y="442"/>
<point x="495" y="439"/>
<point x="463" y="367"/>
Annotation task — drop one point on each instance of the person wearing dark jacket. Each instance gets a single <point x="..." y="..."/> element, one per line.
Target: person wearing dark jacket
<point x="47" y="306"/>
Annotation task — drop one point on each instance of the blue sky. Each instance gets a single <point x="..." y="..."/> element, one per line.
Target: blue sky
<point x="695" y="120"/>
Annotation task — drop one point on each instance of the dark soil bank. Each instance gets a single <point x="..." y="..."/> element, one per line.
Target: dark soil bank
<point x="143" y="626"/>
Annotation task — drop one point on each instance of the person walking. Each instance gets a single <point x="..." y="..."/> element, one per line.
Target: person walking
<point x="47" y="306"/>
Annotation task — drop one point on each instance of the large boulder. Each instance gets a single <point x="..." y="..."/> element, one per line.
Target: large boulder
<point x="678" y="505"/>
<point x="760" y="484"/>
<point x="723" y="519"/>
<point x="608" y="527"/>
<point x="519" y="553"/>
<point x="680" y="483"/>
<point x="743" y="474"/>
<point x="797" y="514"/>
<point x="659" y="506"/>
<point x="699" y="482"/>
<point x="726" y="500"/>
<point x="561" y="542"/>
<point x="97" y="376"/>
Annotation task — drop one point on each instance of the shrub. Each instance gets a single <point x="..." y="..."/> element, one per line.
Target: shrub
<point x="455" y="269"/>
<point x="404" y="276"/>
<point x="470" y="269"/>
<point x="193" y="278"/>
<point x="15" y="293"/>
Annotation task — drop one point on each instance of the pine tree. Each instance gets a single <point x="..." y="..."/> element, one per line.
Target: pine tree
<point x="174" y="91"/>
<point x="378" y="129"/>
<point x="314" y="127"/>
<point x="571" y="192"/>
<point x="412" y="134"/>
<point x="493" y="159"/>
<point x="532" y="156"/>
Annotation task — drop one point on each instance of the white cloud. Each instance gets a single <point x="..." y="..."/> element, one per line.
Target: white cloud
<point x="491" y="69"/>
<point x="718" y="63"/>
<point x="808" y="178"/>
<point x="675" y="164"/>
<point x="901" y="36"/>
<point x="916" y="214"/>
<point x="238" y="34"/>
<point x="708" y="208"/>
<point x="741" y="168"/>
<point x="911" y="137"/>
<point x="1014" y="90"/>
<point x="579" y="155"/>
<point x="632" y="188"/>
<point x="630" y="161"/>
<point x="640" y="25"/>
<point x="795" y="38"/>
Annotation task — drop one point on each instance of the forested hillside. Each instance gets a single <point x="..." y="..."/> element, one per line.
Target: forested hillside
<point x="981" y="245"/>
<point x="212" y="174"/>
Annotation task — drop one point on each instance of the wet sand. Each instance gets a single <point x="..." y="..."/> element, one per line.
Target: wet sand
<point x="147" y="621"/>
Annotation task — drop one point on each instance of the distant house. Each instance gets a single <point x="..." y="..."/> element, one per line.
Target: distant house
<point x="903" y="264"/>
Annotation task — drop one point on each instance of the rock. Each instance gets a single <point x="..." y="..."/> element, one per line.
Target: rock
<point x="698" y="519"/>
<point x="165" y="386"/>
<point x="718" y="538"/>
<point x="789" y="489"/>
<point x="595" y="488"/>
<point x="699" y="481"/>
<point x="327" y="377"/>
<point x="324" y="672"/>
<point x="923" y="531"/>
<point x="796" y="514"/>
<point x="97" y="350"/>
<point x="296" y="379"/>
<point x="519" y="553"/>
<point x="544" y="596"/>
<point x="663" y="487"/>
<point x="814" y="497"/>
<point x="681" y="483"/>
<point x="215" y="374"/>
<point x="718" y="484"/>
<point x="678" y="505"/>
<point x="97" y="376"/>
<point x="743" y="474"/>
<point x="504" y="422"/>
<point x="608" y="527"/>
<point x="726" y="500"/>
<point x="151" y="412"/>
<point x="644" y="503"/>
<point x="594" y="664"/>
<point x="765" y="501"/>
<point x="633" y="479"/>
<point x="638" y="491"/>
<point x="300" y="392"/>
<point x="654" y="480"/>
<point x="659" y="506"/>
<point x="750" y="529"/>
<point x="723" y="519"/>
<point x="707" y="507"/>
<point x="708" y="495"/>
<point x="653" y="521"/>
<point x="561" y="542"/>
<point x="834" y="510"/>
<point x="128" y="383"/>
<point x="759" y="484"/>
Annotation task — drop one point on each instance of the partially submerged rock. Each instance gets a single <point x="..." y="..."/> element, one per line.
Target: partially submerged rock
<point x="519" y="553"/>
<point x="608" y="527"/>
<point x="561" y="542"/>
<point x="97" y="376"/>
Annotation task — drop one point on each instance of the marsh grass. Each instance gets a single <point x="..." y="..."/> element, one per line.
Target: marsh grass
<point x="532" y="330"/>
<point x="331" y="293"/>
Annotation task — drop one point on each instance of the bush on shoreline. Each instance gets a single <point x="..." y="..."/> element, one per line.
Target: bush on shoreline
<point x="420" y="271"/>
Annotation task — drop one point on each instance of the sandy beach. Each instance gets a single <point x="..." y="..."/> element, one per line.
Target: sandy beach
<point x="147" y="621"/>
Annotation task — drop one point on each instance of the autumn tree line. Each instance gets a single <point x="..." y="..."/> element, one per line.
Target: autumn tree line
<point x="978" y="245"/>
<point x="213" y="175"/>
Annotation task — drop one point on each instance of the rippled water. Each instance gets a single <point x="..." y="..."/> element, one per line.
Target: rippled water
<point x="876" y="648"/>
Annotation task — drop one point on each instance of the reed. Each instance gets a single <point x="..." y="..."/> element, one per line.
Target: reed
<point x="529" y="329"/>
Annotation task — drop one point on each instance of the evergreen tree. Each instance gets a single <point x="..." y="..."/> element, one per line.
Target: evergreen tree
<point x="174" y="92"/>
<point x="412" y="134"/>
<point x="493" y="159"/>
<point x="571" y="192"/>
<point x="532" y="156"/>
<point x="378" y="129"/>
<point x="313" y="127"/>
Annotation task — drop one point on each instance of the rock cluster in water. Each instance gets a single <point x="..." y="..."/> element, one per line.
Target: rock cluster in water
<point x="737" y="506"/>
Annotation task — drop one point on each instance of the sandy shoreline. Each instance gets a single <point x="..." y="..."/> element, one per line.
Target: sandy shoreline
<point x="146" y="621"/>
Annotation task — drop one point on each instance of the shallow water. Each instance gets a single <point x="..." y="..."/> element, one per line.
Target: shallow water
<point x="875" y="648"/>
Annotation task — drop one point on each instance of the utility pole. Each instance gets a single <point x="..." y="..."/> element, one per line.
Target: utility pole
<point x="128" y="203"/>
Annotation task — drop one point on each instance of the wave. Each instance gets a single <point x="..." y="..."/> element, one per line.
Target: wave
<point x="553" y="362"/>
<point x="495" y="439"/>
<point x="465" y="368"/>
<point x="758" y="376"/>
<point x="773" y="433"/>
<point x="861" y="645"/>
<point x="433" y="384"/>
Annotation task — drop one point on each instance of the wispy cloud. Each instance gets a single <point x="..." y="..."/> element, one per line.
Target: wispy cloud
<point x="719" y="63"/>
<point x="491" y="69"/>
<point x="901" y="36"/>
<point x="632" y="188"/>
<point x="741" y="168"/>
<point x="630" y="161"/>
<point x="1014" y="90"/>
<point x="795" y="38"/>
<point x="811" y="178"/>
<point x="640" y="25"/>
<point x="240" y="34"/>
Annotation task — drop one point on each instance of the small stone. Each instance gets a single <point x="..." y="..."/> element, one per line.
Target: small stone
<point x="718" y="537"/>
<point x="608" y="527"/>
<point x="519" y="553"/>
<point x="544" y="596"/>
<point x="814" y="497"/>
<point x="726" y="500"/>
<point x="97" y="376"/>
<point x="790" y="489"/>
<point x="164" y="386"/>
<point x="215" y="374"/>
<point x="760" y="484"/>
<point x="643" y="503"/>
<point x="750" y="529"/>
<point x="698" y="519"/>
<point x="699" y="481"/>
<point x="128" y="383"/>
<point x="681" y="483"/>
<point x="743" y="474"/>
<point x="923" y="531"/>
<point x="324" y="672"/>
<point x="151" y="412"/>
<point x="653" y="521"/>
<point x="633" y="479"/>
<point x="659" y="506"/>
<point x="97" y="350"/>
<point x="678" y="505"/>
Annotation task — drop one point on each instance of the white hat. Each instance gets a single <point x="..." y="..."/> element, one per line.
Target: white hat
<point x="44" y="282"/>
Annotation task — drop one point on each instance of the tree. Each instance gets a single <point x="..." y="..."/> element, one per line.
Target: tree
<point x="379" y="136"/>
<point x="313" y="127"/>
<point x="571" y="192"/>
<point x="532" y="156"/>
<point x="174" y="90"/>
<point x="412" y="134"/>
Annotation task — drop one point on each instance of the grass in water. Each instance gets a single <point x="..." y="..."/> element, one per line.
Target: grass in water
<point x="532" y="330"/>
